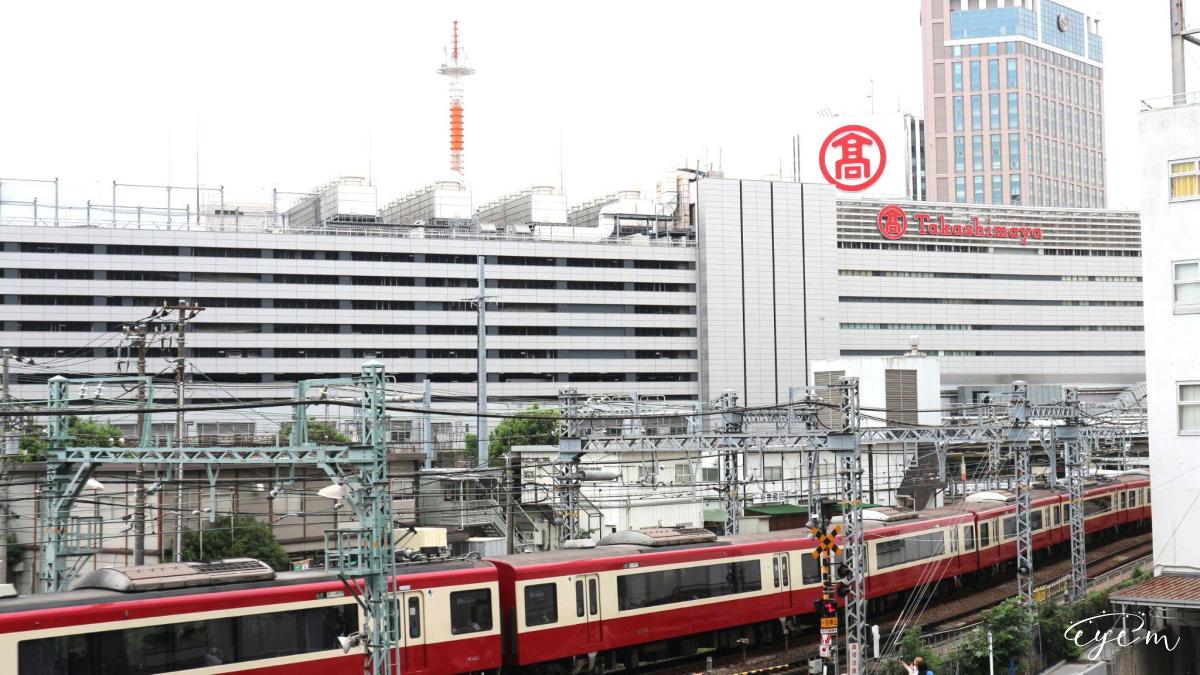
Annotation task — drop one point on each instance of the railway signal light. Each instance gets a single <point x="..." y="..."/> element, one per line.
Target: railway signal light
<point x="825" y="608"/>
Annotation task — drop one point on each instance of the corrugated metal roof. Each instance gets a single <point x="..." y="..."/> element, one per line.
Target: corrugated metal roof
<point x="1167" y="590"/>
<point x="776" y="509"/>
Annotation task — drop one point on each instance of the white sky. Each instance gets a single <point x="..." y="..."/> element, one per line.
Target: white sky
<point x="287" y="94"/>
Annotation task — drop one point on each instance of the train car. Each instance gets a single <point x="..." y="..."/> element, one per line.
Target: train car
<point x="239" y="616"/>
<point x="651" y="594"/>
<point x="906" y="549"/>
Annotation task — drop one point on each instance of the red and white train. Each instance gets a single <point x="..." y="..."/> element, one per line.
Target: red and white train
<point x="639" y="596"/>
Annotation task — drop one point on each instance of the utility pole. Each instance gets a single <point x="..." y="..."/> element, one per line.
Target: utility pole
<point x="137" y="340"/>
<point x="509" y="522"/>
<point x="481" y="422"/>
<point x="184" y="312"/>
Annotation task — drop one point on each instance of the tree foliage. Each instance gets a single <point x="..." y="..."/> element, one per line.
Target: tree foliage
<point x="911" y="647"/>
<point x="248" y="538"/>
<point x="1009" y="624"/>
<point x="85" y="431"/>
<point x="318" y="432"/>
<point x="534" y="426"/>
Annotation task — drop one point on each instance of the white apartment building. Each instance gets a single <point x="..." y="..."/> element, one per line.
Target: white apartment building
<point x="1170" y="191"/>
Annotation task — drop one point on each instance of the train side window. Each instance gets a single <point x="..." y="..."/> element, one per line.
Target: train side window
<point x="266" y="636"/>
<point x="810" y="569"/>
<point x="593" y="597"/>
<point x="784" y="563"/>
<point x="414" y="617"/>
<point x="470" y="611"/>
<point x="985" y="539"/>
<point x="1035" y="520"/>
<point x="775" y="570"/>
<point x="953" y="540"/>
<point x="969" y="538"/>
<point x="188" y="644"/>
<point x="1121" y="501"/>
<point x="579" y="597"/>
<point x="1148" y="494"/>
<point x="541" y="604"/>
<point x="1010" y="527"/>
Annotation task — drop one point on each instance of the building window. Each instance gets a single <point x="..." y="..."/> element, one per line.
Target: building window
<point x="977" y="153"/>
<point x="1014" y="151"/>
<point x="996" y="152"/>
<point x="994" y="74"/>
<point x="976" y="113"/>
<point x="1187" y="287"/>
<point x="960" y="154"/>
<point x="1185" y="179"/>
<point x="976" y="80"/>
<point x="683" y="473"/>
<point x="993" y="111"/>
<point x="979" y="189"/>
<point x="1189" y="408"/>
<point x="1013" y="110"/>
<point x="958" y="113"/>
<point x="1012" y="73"/>
<point x="997" y="189"/>
<point x="772" y="473"/>
<point x="1014" y="188"/>
<point x="956" y="75"/>
<point x="960" y="189"/>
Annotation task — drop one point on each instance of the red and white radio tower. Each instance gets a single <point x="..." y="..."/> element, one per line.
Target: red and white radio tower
<point x="455" y="69"/>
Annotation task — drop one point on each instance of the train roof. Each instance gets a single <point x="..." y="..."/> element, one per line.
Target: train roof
<point x="88" y="596"/>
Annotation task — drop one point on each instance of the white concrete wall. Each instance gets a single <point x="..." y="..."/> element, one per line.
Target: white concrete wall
<point x="767" y="285"/>
<point x="1171" y="233"/>
<point x="872" y="392"/>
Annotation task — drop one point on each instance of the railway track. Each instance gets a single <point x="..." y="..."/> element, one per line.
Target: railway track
<point x="957" y="610"/>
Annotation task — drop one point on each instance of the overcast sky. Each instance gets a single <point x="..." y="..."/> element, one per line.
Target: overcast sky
<point x="292" y="94"/>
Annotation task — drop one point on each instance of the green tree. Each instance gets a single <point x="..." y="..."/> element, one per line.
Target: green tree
<point x="244" y="537"/>
<point x="318" y="432"/>
<point x="534" y="426"/>
<point x="1009" y="624"/>
<point x="85" y="431"/>
<point x="911" y="647"/>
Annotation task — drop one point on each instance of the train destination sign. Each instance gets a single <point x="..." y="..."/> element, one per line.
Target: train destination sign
<point x="894" y="223"/>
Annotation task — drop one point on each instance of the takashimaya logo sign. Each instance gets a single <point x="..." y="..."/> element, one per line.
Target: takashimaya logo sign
<point x="893" y="224"/>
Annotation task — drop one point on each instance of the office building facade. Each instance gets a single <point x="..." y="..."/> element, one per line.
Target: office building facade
<point x="1014" y="104"/>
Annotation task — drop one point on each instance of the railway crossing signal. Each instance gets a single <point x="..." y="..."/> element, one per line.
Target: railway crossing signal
<point x="825" y="543"/>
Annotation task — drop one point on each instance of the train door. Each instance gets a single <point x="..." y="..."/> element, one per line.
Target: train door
<point x="782" y="575"/>
<point x="587" y="606"/>
<point x="414" y="633"/>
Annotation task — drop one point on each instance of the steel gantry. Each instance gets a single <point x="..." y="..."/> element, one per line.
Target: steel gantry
<point x="1068" y="436"/>
<point x="1018" y="440"/>
<point x="846" y="445"/>
<point x="360" y="471"/>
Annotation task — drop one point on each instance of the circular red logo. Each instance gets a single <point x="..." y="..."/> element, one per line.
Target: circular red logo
<point x="857" y="158"/>
<point x="892" y="221"/>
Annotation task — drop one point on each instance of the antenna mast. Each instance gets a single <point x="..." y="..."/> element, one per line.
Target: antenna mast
<point x="456" y="69"/>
